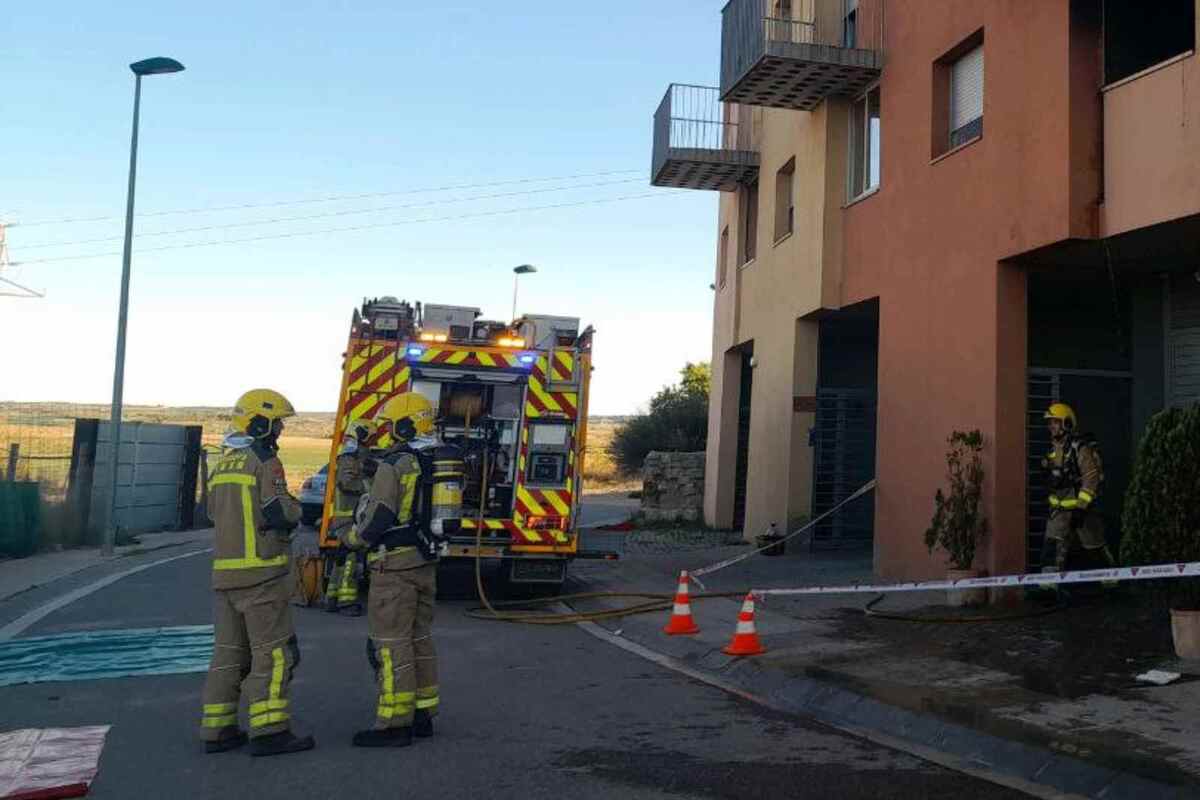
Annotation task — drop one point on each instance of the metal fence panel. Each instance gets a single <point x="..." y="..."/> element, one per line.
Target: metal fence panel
<point x="150" y="474"/>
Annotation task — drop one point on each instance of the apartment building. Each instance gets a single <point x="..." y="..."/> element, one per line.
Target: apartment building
<point x="939" y="215"/>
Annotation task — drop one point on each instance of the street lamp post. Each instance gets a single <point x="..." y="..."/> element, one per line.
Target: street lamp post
<point x="524" y="269"/>
<point x="151" y="66"/>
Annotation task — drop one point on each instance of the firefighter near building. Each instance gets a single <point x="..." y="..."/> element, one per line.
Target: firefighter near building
<point x="511" y="397"/>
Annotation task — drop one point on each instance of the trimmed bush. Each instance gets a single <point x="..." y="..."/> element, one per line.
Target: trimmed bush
<point x="1161" y="520"/>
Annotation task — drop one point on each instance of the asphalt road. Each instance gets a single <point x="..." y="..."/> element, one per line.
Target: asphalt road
<point x="529" y="712"/>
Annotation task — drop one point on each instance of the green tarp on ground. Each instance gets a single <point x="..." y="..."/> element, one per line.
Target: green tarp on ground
<point x="106" y="654"/>
<point x="20" y="518"/>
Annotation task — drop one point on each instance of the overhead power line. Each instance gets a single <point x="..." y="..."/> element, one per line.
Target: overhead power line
<point x="7" y="286"/>
<point x="328" y="214"/>
<point x="21" y="291"/>
<point x="326" y="199"/>
<point x="352" y="228"/>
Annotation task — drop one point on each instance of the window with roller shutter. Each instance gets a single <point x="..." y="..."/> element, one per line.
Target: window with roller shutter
<point x="966" y="98"/>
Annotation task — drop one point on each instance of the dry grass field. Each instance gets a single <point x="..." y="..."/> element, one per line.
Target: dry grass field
<point x="44" y="432"/>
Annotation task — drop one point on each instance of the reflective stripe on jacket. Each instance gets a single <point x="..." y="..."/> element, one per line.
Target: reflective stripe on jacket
<point x="1081" y="475"/>
<point x="349" y="486"/>
<point x="253" y="515"/>
<point x="392" y="496"/>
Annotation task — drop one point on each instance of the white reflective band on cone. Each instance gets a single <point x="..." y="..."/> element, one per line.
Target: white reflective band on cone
<point x="745" y="627"/>
<point x="1116" y="574"/>
<point x="681" y="609"/>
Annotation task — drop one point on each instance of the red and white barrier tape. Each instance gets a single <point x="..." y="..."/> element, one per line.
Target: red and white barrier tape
<point x="1152" y="572"/>
<point x="729" y="562"/>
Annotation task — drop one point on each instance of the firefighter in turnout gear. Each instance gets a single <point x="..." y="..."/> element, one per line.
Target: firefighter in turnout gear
<point x="414" y="500"/>
<point x="355" y="466"/>
<point x="1075" y="530"/>
<point x="255" y="647"/>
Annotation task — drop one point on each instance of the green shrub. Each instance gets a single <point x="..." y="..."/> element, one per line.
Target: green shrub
<point x="958" y="521"/>
<point x="1161" y="520"/>
<point x="677" y="421"/>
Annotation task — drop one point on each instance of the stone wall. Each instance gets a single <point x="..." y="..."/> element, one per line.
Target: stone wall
<point x="673" y="486"/>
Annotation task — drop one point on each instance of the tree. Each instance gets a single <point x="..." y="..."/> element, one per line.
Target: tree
<point x="677" y="421"/>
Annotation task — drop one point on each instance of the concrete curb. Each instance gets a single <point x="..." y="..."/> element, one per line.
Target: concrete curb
<point x="1030" y="768"/>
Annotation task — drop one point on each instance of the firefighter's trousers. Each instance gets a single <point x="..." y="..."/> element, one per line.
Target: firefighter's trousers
<point x="343" y="584"/>
<point x="254" y="649"/>
<point x="1078" y="539"/>
<point x="400" y="624"/>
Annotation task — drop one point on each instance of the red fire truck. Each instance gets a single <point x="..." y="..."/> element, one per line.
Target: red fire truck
<point x="512" y="395"/>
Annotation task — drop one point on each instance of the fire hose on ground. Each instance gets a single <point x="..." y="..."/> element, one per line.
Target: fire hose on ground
<point x="648" y="602"/>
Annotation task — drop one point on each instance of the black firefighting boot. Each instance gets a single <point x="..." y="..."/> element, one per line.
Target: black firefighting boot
<point x="384" y="737"/>
<point x="352" y="610"/>
<point x="228" y="739"/>
<point x="278" y="744"/>
<point x="422" y="724"/>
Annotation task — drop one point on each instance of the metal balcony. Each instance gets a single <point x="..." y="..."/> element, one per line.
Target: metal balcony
<point x="700" y="143"/>
<point x="795" y="53"/>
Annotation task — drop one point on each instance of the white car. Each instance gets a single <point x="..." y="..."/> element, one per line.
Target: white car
<point x="312" y="497"/>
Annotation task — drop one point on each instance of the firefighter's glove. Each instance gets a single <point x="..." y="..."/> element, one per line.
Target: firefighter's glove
<point x="276" y="517"/>
<point x="380" y="521"/>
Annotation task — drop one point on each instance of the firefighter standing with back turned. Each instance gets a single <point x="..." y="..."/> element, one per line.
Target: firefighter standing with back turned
<point x="355" y="466"/>
<point x="255" y="645"/>
<point x="1075" y="530"/>
<point x="415" y="499"/>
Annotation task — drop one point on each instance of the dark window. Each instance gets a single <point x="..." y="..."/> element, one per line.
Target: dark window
<point x="785" y="209"/>
<point x="1139" y="34"/>
<point x="749" y="214"/>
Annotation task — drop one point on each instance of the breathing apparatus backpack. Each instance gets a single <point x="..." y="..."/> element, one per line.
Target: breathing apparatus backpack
<point x="437" y="507"/>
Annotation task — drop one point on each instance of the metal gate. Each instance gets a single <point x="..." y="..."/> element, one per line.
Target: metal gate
<point x="156" y="475"/>
<point x="1184" y="343"/>
<point x="844" y="459"/>
<point x="1103" y="402"/>
<point x="742" y="464"/>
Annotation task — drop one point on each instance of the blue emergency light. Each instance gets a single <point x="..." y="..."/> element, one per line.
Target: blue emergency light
<point x="527" y="358"/>
<point x="416" y="352"/>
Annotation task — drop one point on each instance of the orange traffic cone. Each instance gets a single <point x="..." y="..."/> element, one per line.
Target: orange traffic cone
<point x="745" y="638"/>
<point x="681" y="615"/>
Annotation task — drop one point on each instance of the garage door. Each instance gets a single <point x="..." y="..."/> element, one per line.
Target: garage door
<point x="1185" y="340"/>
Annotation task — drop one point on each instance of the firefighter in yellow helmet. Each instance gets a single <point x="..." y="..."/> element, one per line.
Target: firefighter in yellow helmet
<point x="255" y="647"/>
<point x="415" y="499"/>
<point x="1075" y="530"/>
<point x="355" y="467"/>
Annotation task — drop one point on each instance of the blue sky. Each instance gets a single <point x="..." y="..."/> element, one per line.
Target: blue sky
<point x="292" y="101"/>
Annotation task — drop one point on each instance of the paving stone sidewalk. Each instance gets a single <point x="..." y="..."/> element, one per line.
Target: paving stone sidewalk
<point x="1056" y="681"/>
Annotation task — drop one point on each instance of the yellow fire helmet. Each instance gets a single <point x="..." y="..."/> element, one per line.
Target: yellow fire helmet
<point x="1063" y="412"/>
<point x="411" y="408"/>
<point x="257" y="409"/>
<point x="360" y="429"/>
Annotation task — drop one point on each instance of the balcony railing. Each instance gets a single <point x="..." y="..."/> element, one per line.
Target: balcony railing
<point x="795" y="54"/>
<point x="702" y="143"/>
